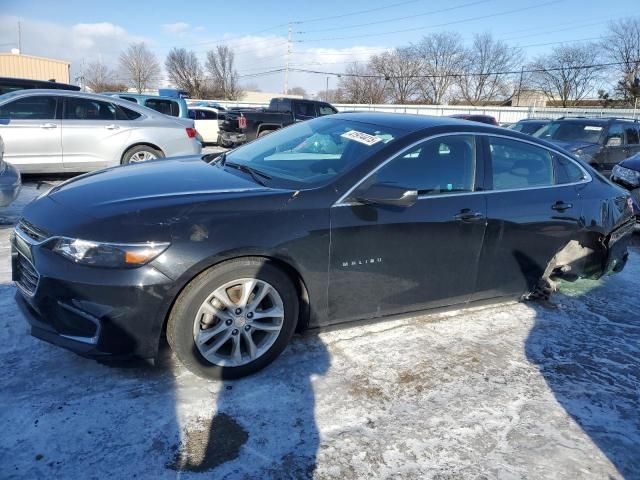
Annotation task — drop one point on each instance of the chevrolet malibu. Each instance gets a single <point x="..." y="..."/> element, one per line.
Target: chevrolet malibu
<point x="346" y="217"/>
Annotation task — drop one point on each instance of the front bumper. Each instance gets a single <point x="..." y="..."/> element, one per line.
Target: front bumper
<point x="91" y="311"/>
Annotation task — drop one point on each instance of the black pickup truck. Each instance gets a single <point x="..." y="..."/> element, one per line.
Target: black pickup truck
<point x="240" y="125"/>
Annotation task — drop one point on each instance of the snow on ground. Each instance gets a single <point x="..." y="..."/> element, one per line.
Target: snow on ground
<point x="508" y="391"/>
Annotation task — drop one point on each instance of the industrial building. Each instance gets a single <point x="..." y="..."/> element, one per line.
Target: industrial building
<point x="17" y="65"/>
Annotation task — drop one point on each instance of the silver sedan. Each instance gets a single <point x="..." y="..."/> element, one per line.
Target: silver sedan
<point x="60" y="131"/>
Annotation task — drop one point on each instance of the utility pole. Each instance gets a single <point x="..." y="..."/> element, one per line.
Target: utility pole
<point x="19" y="37"/>
<point x="326" y="95"/>
<point x="520" y="85"/>
<point x="286" y="71"/>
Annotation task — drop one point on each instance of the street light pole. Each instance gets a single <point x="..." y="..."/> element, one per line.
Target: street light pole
<point x="326" y="94"/>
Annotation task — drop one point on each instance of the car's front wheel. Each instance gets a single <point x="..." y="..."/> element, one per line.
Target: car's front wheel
<point x="233" y="319"/>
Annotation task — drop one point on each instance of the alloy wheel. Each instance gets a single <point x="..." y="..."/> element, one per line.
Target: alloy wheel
<point x="238" y="322"/>
<point x="143" y="156"/>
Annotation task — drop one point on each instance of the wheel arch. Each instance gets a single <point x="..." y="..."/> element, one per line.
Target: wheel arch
<point x="284" y="264"/>
<point x="267" y="127"/>
<point x="139" y="144"/>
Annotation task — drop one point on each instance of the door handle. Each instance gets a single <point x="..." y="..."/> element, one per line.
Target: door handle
<point x="561" y="206"/>
<point x="48" y="125"/>
<point x="112" y="127"/>
<point x="466" y="215"/>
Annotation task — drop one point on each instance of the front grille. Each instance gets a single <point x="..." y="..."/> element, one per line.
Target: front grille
<point x="32" y="231"/>
<point x="27" y="277"/>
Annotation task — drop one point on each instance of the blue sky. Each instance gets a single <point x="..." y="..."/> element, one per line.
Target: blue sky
<point x="85" y="30"/>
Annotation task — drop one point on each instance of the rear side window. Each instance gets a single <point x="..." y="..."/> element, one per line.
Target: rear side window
<point x="124" y="113"/>
<point x="519" y="165"/>
<point x="305" y="109"/>
<point x="566" y="170"/>
<point x="206" y="115"/>
<point x="632" y="134"/>
<point x="37" y="107"/>
<point x="615" y="135"/>
<point x="439" y="166"/>
<point x="88" y="109"/>
<point x="167" y="107"/>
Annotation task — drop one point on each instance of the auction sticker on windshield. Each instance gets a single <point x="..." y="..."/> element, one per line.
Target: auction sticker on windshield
<point x="595" y="129"/>
<point x="361" y="137"/>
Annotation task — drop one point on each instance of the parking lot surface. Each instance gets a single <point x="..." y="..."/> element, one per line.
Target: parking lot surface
<point x="510" y="391"/>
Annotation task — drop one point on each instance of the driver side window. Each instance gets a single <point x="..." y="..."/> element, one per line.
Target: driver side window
<point x="439" y="166"/>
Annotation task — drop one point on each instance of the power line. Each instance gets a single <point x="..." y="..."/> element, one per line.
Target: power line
<point x="360" y="12"/>
<point x="455" y="22"/>
<point x="388" y="20"/>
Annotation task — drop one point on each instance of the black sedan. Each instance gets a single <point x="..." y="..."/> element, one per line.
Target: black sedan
<point x="346" y="217"/>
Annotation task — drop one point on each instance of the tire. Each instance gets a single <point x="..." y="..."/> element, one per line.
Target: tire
<point x="264" y="132"/>
<point x="140" y="151"/>
<point x="198" y="313"/>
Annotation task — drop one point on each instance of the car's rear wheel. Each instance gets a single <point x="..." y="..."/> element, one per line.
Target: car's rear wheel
<point x="141" y="153"/>
<point x="233" y="319"/>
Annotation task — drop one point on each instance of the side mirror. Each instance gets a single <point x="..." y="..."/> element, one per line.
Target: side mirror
<point x="614" y="142"/>
<point x="382" y="194"/>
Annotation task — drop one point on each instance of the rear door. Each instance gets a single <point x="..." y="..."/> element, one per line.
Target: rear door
<point x="387" y="259"/>
<point x="93" y="135"/>
<point x="533" y="210"/>
<point x="31" y="129"/>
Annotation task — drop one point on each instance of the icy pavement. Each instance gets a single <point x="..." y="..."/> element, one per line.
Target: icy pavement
<point x="506" y="392"/>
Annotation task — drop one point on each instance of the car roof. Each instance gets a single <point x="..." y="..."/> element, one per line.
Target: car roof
<point x="595" y="120"/>
<point x="535" y="120"/>
<point x="413" y="122"/>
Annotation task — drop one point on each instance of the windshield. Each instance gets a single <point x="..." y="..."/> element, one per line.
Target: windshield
<point x="571" y="132"/>
<point x="311" y="153"/>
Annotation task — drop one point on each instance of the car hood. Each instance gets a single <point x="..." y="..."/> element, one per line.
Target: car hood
<point x="573" y="146"/>
<point x="149" y="185"/>
<point x="632" y="163"/>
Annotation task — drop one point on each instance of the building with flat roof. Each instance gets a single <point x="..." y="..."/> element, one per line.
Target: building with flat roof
<point x="17" y="65"/>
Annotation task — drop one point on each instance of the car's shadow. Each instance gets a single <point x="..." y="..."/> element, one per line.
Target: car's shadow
<point x="587" y="348"/>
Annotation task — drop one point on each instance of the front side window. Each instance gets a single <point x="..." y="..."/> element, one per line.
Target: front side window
<point x="632" y="134"/>
<point x="166" y="107"/>
<point x="439" y="166"/>
<point x="36" y="107"/>
<point x="615" y="135"/>
<point x="314" y="152"/>
<point x="88" y="109"/>
<point x="518" y="165"/>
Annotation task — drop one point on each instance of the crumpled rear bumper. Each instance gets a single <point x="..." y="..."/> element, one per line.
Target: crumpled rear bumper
<point x="617" y="244"/>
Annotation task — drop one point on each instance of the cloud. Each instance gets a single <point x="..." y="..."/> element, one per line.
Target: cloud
<point x="177" y="28"/>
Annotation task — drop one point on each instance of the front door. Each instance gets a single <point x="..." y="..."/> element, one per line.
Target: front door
<point x="30" y="128"/>
<point x="390" y="259"/>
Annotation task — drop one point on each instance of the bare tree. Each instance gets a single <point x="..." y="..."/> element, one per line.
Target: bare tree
<point x="223" y="74"/>
<point x="484" y="61"/>
<point x="298" y="91"/>
<point x="100" y="78"/>
<point x="361" y="84"/>
<point x="622" y="45"/>
<point x="184" y="70"/>
<point x="442" y="58"/>
<point x="401" y="70"/>
<point x="139" y="67"/>
<point x="567" y="73"/>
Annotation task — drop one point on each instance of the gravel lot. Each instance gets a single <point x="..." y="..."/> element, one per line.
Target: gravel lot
<point x="508" y="391"/>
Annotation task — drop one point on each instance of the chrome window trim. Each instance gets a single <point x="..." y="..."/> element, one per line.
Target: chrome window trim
<point x="587" y="176"/>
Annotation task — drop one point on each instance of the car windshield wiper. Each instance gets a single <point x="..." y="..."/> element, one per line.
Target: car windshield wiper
<point x="251" y="171"/>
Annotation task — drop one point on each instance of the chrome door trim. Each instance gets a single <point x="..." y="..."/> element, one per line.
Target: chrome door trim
<point x="587" y="176"/>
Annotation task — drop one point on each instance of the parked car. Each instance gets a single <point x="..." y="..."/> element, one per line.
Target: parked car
<point x="346" y="217"/>
<point x="529" y="125"/>
<point x="62" y="131"/>
<point x="627" y="175"/>
<point x="601" y="142"/>
<point x="10" y="181"/>
<point x="8" y="84"/>
<point x="172" y="106"/>
<point x="206" y="123"/>
<point x="240" y="125"/>
<point x="488" y="119"/>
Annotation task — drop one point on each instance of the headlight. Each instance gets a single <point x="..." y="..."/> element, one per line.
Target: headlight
<point x="632" y="177"/>
<point x="112" y="255"/>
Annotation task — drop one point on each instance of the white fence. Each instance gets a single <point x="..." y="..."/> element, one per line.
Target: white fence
<point x="502" y="114"/>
